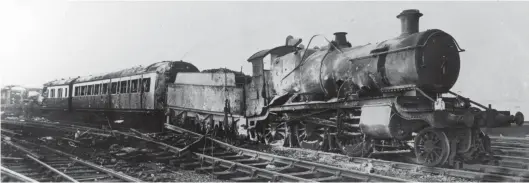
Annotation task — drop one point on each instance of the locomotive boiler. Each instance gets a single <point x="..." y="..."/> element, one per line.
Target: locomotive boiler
<point x="427" y="59"/>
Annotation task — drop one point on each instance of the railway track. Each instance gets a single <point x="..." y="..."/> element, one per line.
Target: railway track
<point x="54" y="166"/>
<point x="512" y="151"/>
<point x="472" y="172"/>
<point x="219" y="157"/>
<point x="249" y="165"/>
<point x="226" y="163"/>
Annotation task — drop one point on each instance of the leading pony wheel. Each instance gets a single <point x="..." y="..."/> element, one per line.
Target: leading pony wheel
<point x="432" y="147"/>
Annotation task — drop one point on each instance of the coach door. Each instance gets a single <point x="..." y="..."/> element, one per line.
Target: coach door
<point x="142" y="94"/>
<point x="107" y="88"/>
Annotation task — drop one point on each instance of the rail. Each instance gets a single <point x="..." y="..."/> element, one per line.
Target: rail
<point x="15" y="175"/>
<point x="30" y="156"/>
<point x="97" y="167"/>
<point x="52" y="169"/>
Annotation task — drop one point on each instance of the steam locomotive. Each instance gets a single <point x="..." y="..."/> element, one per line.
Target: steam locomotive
<point x="382" y="98"/>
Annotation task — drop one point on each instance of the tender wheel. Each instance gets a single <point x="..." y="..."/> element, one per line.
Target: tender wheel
<point x="432" y="147"/>
<point x="518" y="118"/>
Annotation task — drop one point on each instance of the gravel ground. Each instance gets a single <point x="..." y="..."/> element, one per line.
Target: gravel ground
<point x="343" y="162"/>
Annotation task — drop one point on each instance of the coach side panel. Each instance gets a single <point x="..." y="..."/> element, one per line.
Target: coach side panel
<point x="57" y="98"/>
<point x="117" y="94"/>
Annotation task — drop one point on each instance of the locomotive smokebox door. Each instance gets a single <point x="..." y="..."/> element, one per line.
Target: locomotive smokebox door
<point x="375" y="121"/>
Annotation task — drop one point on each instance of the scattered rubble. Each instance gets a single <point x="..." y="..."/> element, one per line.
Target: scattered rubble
<point x="343" y="162"/>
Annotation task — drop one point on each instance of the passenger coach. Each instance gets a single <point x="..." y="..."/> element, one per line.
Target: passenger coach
<point x="132" y="96"/>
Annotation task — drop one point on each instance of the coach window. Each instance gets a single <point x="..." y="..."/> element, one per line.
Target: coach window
<point x="123" y="86"/>
<point x="90" y="88"/>
<point x="76" y="91"/>
<point x="49" y="93"/>
<point x="104" y="88"/>
<point x="96" y="89"/>
<point x="59" y="93"/>
<point x="114" y="87"/>
<point x="134" y="86"/>
<point x="52" y="93"/>
<point x="146" y="82"/>
<point x="83" y="90"/>
<point x="65" y="92"/>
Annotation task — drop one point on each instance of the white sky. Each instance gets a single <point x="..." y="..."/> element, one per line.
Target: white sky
<point x="46" y="40"/>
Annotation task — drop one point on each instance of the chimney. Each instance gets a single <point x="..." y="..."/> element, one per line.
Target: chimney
<point x="409" y="20"/>
<point x="341" y="40"/>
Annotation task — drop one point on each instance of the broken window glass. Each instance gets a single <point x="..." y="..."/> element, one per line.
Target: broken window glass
<point x="123" y="86"/>
<point x="146" y="82"/>
<point x="96" y="89"/>
<point x="134" y="86"/>
<point x="104" y="89"/>
<point x="114" y="87"/>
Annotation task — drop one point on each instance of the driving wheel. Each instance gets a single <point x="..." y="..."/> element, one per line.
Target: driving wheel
<point x="274" y="133"/>
<point x="310" y="136"/>
<point x="432" y="147"/>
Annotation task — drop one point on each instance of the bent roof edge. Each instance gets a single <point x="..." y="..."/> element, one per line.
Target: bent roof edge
<point x="155" y="67"/>
<point x="280" y="50"/>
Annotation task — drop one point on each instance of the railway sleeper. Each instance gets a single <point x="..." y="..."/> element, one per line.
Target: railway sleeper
<point x="165" y="158"/>
<point x="499" y="170"/>
<point x="259" y="165"/>
<point x="225" y="153"/>
<point x="512" y="158"/>
<point x="519" y="153"/>
<point x="207" y="149"/>
<point x="178" y="162"/>
<point x="328" y="179"/>
<point x="513" y="164"/>
<point x="73" y="168"/>
<point x="228" y="174"/>
<point x="248" y="179"/>
<point x="81" y="172"/>
<point x="209" y="169"/>
<point x="94" y="177"/>
<point x="310" y="174"/>
<point x="161" y="153"/>
<point x="247" y="161"/>
<point x="98" y="179"/>
<point x="191" y="166"/>
<point x="233" y="157"/>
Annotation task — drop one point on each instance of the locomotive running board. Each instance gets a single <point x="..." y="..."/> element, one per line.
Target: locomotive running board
<point x="331" y="105"/>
